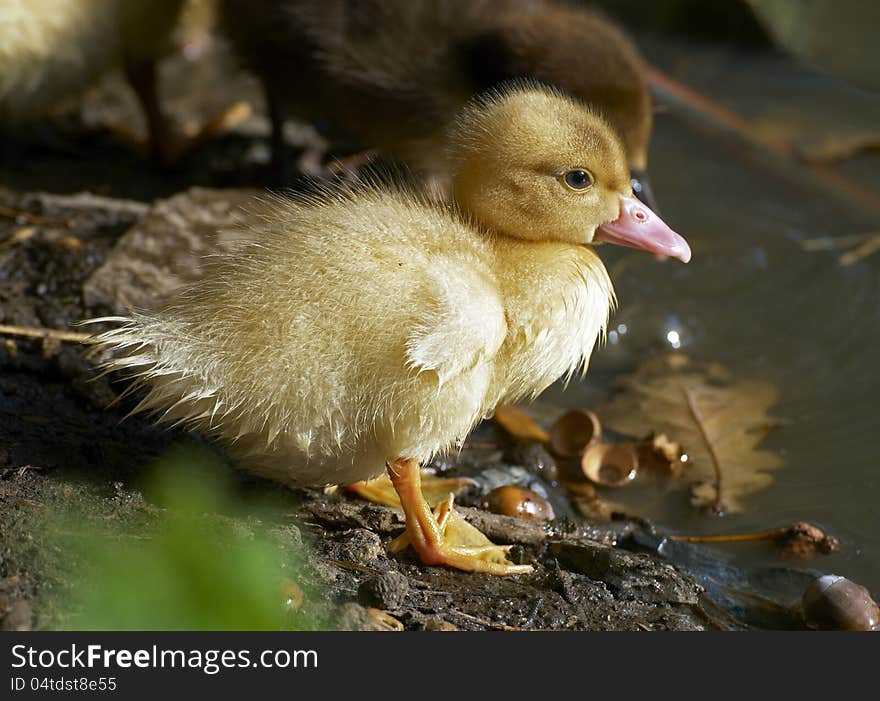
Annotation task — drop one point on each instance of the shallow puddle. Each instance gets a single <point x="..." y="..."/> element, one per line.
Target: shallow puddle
<point x="754" y="301"/>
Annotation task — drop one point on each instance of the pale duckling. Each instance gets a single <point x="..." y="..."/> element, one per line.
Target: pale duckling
<point x="394" y="74"/>
<point x="53" y="49"/>
<point x="368" y="328"/>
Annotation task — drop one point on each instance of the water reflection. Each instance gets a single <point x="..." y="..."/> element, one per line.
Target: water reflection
<point x="674" y="339"/>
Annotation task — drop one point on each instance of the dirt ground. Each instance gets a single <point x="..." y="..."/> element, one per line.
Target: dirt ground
<point x="100" y="230"/>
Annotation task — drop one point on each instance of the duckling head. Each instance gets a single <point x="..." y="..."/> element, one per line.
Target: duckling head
<point x="584" y="56"/>
<point x="532" y="163"/>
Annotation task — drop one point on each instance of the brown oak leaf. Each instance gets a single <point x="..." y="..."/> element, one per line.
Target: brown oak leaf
<point x="720" y="422"/>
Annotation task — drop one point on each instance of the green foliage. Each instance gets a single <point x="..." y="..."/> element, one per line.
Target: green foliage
<point x="195" y="569"/>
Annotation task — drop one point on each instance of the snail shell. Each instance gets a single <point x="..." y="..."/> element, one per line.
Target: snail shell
<point x="832" y="602"/>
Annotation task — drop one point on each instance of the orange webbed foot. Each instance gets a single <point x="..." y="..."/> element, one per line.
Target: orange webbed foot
<point x="443" y="537"/>
<point x="435" y="490"/>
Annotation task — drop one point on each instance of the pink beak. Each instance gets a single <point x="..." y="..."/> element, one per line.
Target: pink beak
<point x="638" y="227"/>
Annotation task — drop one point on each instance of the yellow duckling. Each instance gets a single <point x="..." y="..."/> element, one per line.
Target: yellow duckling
<point x="52" y="49"/>
<point x="370" y="328"/>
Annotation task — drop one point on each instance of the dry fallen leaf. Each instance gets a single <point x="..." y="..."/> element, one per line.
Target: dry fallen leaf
<point x="588" y="502"/>
<point x="23" y="234"/>
<point x="382" y="620"/>
<point x="720" y="420"/>
<point x="657" y="452"/>
<point x="704" y="495"/>
<point x="803" y="540"/>
<point x="71" y="242"/>
<point x="519" y="424"/>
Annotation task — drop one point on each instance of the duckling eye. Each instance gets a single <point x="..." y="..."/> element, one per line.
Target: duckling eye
<point x="578" y="179"/>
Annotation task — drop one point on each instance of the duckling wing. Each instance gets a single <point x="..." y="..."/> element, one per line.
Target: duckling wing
<point x="463" y="324"/>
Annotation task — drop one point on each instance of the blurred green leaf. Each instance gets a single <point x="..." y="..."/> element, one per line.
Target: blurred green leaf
<point x="197" y="569"/>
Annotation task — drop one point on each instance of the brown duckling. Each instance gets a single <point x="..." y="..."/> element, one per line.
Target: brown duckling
<point x="393" y="74"/>
<point x="367" y="329"/>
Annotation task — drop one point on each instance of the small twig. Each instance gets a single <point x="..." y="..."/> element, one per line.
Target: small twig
<point x="345" y="564"/>
<point x="19" y="471"/>
<point x="866" y="248"/>
<point x="30" y="218"/>
<point x="826" y="243"/>
<point x="861" y="246"/>
<point x="58" y="335"/>
<point x="88" y="200"/>
<point x="799" y="540"/>
<point x="677" y="94"/>
<point x="488" y="624"/>
<point x="731" y="537"/>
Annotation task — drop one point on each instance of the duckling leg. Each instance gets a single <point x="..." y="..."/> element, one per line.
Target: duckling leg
<point x="434" y="489"/>
<point x="142" y="78"/>
<point x="167" y="145"/>
<point x="277" y="144"/>
<point x="445" y="538"/>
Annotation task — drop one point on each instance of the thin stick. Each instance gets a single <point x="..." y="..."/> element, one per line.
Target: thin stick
<point x="826" y="243"/>
<point x="345" y="564"/>
<point x="31" y="218"/>
<point x="70" y="336"/>
<point x="866" y="248"/>
<point x="89" y="200"/>
<point x="730" y="538"/>
<point x="677" y="94"/>
<point x="484" y="622"/>
<point x="801" y="539"/>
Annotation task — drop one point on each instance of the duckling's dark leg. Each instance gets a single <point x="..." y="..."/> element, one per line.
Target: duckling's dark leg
<point x="277" y="144"/>
<point x="443" y="537"/>
<point x="166" y="145"/>
<point x="142" y="78"/>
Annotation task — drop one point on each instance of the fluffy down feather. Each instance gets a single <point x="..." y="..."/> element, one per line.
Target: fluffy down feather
<point x="362" y="326"/>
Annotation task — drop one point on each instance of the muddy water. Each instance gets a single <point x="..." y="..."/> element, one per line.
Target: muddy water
<point x="754" y="301"/>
